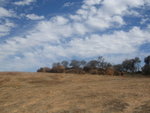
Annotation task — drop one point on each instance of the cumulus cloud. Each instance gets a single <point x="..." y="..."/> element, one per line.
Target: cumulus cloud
<point x="6" y="13"/>
<point x="47" y="47"/>
<point x="68" y="4"/>
<point x="92" y="2"/>
<point x="76" y="35"/>
<point x="5" y="24"/>
<point x="144" y="20"/>
<point x="119" y="42"/>
<point x="34" y="17"/>
<point x="6" y="27"/>
<point x="24" y="2"/>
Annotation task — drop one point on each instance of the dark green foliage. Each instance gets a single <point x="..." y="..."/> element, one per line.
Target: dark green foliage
<point x="146" y="67"/>
<point x="119" y="67"/>
<point x="75" y="64"/>
<point x="147" y="60"/>
<point x="92" y="64"/>
<point x="146" y="70"/>
<point x="131" y="65"/>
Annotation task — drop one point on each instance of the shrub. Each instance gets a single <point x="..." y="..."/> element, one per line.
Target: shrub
<point x="58" y="69"/>
<point x="76" y="71"/>
<point x="93" y="71"/>
<point x="44" y="69"/>
<point x="146" y="70"/>
<point x="110" y="71"/>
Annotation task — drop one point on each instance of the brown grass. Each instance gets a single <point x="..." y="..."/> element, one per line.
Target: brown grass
<point x="70" y="93"/>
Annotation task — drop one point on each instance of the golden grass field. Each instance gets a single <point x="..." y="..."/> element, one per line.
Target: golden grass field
<point x="70" y="93"/>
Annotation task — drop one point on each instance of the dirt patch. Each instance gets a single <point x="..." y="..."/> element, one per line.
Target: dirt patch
<point x="145" y="108"/>
<point x="115" y="105"/>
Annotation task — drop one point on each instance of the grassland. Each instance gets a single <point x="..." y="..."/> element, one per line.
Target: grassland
<point x="69" y="93"/>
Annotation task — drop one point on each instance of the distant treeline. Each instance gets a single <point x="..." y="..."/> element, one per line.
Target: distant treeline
<point x="100" y="66"/>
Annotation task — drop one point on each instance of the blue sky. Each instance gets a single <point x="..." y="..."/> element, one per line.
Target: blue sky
<point x="36" y="33"/>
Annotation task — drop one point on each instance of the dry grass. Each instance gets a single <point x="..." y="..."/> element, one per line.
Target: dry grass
<point x="68" y="93"/>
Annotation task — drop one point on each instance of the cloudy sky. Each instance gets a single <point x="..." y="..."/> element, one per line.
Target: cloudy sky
<point x="36" y="33"/>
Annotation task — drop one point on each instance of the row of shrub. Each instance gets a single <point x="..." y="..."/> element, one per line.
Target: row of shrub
<point x="100" y="66"/>
<point x="62" y="69"/>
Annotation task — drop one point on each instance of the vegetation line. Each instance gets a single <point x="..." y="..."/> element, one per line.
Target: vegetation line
<point x="100" y="66"/>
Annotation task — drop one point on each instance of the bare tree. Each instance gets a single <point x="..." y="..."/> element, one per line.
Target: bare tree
<point x="131" y="65"/>
<point x="82" y="63"/>
<point x="92" y="64"/>
<point x="75" y="64"/>
<point x="137" y="62"/>
<point x="101" y="62"/>
<point x="65" y="63"/>
<point x="56" y="64"/>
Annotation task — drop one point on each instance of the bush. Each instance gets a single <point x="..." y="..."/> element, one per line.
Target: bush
<point x="110" y="71"/>
<point x="58" y="69"/>
<point x="76" y="71"/>
<point x="101" y="71"/>
<point x="146" y="70"/>
<point x="93" y="71"/>
<point x="118" y="73"/>
<point x="44" y="69"/>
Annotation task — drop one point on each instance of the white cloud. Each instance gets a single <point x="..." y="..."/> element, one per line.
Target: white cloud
<point x="80" y="28"/>
<point x="68" y="4"/>
<point x="5" y="24"/>
<point x="59" y="20"/>
<point x="118" y="20"/>
<point x="24" y="2"/>
<point x="92" y="2"/>
<point x="144" y="20"/>
<point x="6" y="27"/>
<point x="41" y="45"/>
<point x="6" y="13"/>
<point x="119" y="42"/>
<point x="34" y="17"/>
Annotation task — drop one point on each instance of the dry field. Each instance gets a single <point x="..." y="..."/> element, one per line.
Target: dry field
<point x="68" y="93"/>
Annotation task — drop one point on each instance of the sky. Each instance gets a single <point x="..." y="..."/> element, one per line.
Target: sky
<point x="37" y="33"/>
